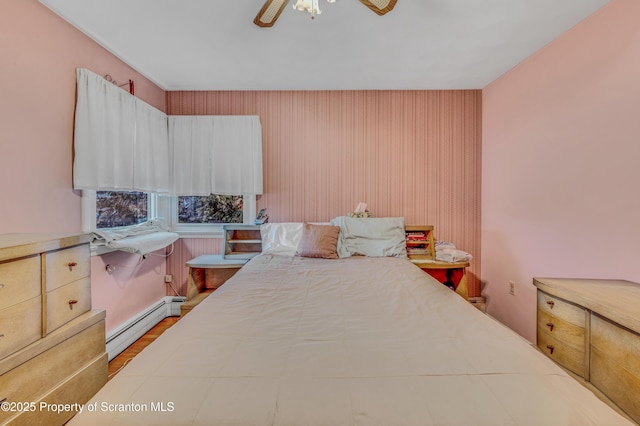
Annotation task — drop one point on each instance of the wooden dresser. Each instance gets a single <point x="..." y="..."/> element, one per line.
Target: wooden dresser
<point x="52" y="345"/>
<point x="592" y="328"/>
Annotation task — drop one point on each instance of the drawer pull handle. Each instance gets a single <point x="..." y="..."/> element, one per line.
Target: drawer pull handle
<point x="1" y="286"/>
<point x="550" y="325"/>
<point x="551" y="303"/>
<point x="1" y="335"/>
<point x="3" y="400"/>
<point x="71" y="265"/>
<point x="72" y="302"/>
<point x="551" y="348"/>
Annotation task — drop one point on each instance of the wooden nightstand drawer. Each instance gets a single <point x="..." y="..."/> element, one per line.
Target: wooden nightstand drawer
<point x="67" y="265"/>
<point x="19" y="280"/>
<point x="67" y="302"/>
<point x="20" y="325"/>
<point x="615" y="364"/>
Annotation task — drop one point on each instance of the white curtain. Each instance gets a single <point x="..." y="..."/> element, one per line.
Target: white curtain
<point x="152" y="151"/>
<point x="120" y="142"/>
<point x="216" y="155"/>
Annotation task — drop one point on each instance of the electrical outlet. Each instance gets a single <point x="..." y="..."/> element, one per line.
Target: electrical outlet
<point x="168" y="278"/>
<point x="512" y="288"/>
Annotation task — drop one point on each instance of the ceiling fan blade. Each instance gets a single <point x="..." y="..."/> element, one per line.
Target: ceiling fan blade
<point x="269" y="13"/>
<point x="379" y="6"/>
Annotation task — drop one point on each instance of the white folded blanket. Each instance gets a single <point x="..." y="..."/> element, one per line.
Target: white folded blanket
<point x="452" y="255"/>
<point x="441" y="245"/>
<point x="142" y="239"/>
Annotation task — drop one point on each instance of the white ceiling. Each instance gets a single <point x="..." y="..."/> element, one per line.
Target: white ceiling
<point x="421" y="44"/>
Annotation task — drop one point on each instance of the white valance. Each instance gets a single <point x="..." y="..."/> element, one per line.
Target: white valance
<point x="120" y="142"/>
<point x="124" y="144"/>
<point x="152" y="150"/>
<point x="216" y="155"/>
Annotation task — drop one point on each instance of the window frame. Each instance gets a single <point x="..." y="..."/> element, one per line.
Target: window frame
<point x="89" y="200"/>
<point x="166" y="207"/>
<point x="209" y="230"/>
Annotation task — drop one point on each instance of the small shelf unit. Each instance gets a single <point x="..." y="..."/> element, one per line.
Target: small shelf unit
<point x="242" y="241"/>
<point x="420" y="243"/>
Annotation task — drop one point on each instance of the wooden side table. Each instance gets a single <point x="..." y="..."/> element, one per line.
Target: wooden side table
<point x="206" y="273"/>
<point x="451" y="274"/>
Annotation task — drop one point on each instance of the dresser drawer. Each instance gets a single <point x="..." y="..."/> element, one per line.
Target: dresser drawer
<point x="78" y="389"/>
<point x="29" y="381"/>
<point x="19" y="280"/>
<point x="20" y="325"/>
<point x="561" y="309"/>
<point x="565" y="355"/>
<point x="67" y="265"/>
<point x="615" y="364"/>
<point x="67" y="302"/>
<point x="559" y="329"/>
<point x="561" y="332"/>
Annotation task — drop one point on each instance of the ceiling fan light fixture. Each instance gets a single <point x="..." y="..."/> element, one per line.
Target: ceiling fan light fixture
<point x="272" y="9"/>
<point x="310" y="6"/>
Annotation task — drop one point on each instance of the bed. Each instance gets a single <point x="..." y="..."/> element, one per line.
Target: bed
<point x="357" y="340"/>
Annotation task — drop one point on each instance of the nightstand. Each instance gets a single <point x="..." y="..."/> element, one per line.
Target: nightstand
<point x="206" y="273"/>
<point x="451" y="274"/>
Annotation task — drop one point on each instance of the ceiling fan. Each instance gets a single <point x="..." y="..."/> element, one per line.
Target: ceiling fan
<point x="272" y="9"/>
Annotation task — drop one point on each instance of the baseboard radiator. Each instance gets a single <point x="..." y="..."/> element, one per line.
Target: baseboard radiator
<point x="125" y="334"/>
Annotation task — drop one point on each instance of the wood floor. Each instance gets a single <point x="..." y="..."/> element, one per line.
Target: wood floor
<point x="136" y="347"/>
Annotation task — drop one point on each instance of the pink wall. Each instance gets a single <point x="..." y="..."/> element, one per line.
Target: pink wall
<point x="128" y="289"/>
<point x="406" y="153"/>
<point x="560" y="175"/>
<point x="39" y="55"/>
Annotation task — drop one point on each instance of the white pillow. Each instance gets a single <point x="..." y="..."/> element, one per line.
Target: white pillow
<point x="376" y="237"/>
<point x="281" y="238"/>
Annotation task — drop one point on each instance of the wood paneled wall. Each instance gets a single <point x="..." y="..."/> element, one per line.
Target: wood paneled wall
<point x="415" y="154"/>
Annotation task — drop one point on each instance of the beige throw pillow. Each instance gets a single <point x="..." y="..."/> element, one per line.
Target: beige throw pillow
<point x="319" y="241"/>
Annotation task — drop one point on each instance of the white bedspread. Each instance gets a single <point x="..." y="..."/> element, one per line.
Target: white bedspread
<point x="358" y="341"/>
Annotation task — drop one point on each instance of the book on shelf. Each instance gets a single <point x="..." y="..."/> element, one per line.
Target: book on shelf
<point x="419" y="241"/>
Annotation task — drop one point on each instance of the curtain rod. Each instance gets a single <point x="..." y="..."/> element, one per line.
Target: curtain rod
<point x="111" y="80"/>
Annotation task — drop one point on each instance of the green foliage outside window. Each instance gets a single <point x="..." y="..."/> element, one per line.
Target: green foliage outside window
<point x="116" y="208"/>
<point x="210" y="209"/>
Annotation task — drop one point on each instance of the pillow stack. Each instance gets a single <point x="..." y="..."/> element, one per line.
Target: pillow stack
<point x="343" y="237"/>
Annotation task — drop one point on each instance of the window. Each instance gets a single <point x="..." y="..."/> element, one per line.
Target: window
<point x="122" y="142"/>
<point x="190" y="216"/>
<point x="110" y="209"/>
<point x="114" y="208"/>
<point x="210" y="209"/>
<point x="118" y="210"/>
<point x="196" y="216"/>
